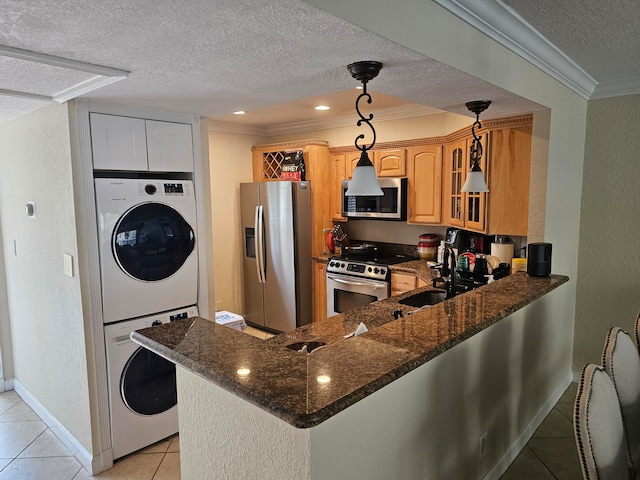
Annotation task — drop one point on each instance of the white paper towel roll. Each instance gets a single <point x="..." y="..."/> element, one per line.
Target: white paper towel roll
<point x="504" y="251"/>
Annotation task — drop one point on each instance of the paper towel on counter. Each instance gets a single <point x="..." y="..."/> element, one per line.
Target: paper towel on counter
<point x="504" y="251"/>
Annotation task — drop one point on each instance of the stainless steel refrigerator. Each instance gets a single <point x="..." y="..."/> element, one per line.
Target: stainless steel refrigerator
<point x="276" y="228"/>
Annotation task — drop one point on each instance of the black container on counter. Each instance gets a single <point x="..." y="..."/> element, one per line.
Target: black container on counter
<point x="539" y="259"/>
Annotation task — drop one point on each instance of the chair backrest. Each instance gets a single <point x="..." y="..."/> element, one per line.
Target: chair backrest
<point x="621" y="361"/>
<point x="637" y="330"/>
<point x="598" y="427"/>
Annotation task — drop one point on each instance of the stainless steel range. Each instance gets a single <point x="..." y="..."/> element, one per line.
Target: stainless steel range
<point x="355" y="280"/>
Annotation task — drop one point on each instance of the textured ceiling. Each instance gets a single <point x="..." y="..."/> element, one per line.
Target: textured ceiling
<point x="270" y="58"/>
<point x="599" y="35"/>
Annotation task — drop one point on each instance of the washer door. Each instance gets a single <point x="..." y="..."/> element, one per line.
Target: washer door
<point x="151" y="241"/>
<point x="148" y="383"/>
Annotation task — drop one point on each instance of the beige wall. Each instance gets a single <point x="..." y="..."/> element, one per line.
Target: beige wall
<point x="45" y="306"/>
<point x="229" y="165"/>
<point x="609" y="266"/>
<point x="6" y="350"/>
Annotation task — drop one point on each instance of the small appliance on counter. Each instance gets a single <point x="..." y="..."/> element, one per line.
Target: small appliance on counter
<point x="539" y="259"/>
<point x="481" y="243"/>
<point x="457" y="238"/>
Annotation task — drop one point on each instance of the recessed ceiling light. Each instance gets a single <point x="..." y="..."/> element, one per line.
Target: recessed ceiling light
<point x="239" y="112"/>
<point x="321" y="107"/>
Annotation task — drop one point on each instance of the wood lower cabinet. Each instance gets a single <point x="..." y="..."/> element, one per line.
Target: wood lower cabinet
<point x="319" y="290"/>
<point x="405" y="282"/>
<point x="424" y="172"/>
<point x="267" y="166"/>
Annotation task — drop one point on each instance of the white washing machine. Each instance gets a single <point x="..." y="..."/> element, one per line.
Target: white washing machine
<point x="147" y="244"/>
<point x="142" y="386"/>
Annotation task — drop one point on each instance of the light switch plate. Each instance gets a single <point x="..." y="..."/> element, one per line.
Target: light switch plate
<point x="68" y="265"/>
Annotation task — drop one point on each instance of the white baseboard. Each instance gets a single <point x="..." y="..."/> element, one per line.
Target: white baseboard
<point x="6" y="384"/>
<point x="93" y="464"/>
<point x="516" y="447"/>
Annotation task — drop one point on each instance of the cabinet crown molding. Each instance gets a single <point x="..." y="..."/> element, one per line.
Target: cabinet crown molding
<point x="290" y="145"/>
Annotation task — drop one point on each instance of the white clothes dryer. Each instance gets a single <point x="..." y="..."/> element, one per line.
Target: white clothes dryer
<point x="142" y="386"/>
<point x="147" y="246"/>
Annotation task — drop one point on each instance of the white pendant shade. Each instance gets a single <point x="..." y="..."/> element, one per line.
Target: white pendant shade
<point x="475" y="182"/>
<point x="364" y="182"/>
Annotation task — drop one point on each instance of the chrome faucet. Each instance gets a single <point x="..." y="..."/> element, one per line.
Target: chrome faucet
<point x="449" y="271"/>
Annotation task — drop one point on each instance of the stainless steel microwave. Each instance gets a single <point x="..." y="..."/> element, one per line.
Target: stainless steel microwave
<point x="392" y="205"/>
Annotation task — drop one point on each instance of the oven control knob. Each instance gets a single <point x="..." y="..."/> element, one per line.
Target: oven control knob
<point x="331" y="264"/>
<point x="375" y="270"/>
<point x="382" y="271"/>
<point x="370" y="269"/>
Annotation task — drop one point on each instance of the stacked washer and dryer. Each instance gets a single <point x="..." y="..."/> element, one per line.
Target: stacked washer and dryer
<point x="149" y="275"/>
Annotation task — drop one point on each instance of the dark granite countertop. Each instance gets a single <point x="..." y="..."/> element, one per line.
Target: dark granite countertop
<point x="288" y="384"/>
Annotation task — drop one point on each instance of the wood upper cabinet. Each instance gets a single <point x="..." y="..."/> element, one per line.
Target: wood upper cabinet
<point x="338" y="174"/>
<point x="390" y="162"/>
<point x="464" y="210"/>
<point x="267" y="166"/>
<point x="506" y="165"/>
<point x="509" y="180"/>
<point x="424" y="172"/>
<point x="319" y="290"/>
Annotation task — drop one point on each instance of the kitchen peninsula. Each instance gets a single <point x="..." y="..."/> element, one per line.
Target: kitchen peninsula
<point x="440" y="393"/>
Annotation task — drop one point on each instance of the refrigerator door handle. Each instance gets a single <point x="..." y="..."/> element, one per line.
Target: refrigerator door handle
<point x="259" y="243"/>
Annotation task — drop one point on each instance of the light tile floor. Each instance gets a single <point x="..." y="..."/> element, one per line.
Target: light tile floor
<point x="551" y="453"/>
<point x="29" y="450"/>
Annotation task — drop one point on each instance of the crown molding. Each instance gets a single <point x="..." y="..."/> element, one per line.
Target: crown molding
<point x="628" y="86"/>
<point x="505" y="26"/>
<point x="387" y="114"/>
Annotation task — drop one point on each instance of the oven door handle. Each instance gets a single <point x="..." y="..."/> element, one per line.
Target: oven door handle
<point x="357" y="284"/>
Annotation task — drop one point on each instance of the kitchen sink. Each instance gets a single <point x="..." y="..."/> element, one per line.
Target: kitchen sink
<point x="422" y="299"/>
<point x="311" y="346"/>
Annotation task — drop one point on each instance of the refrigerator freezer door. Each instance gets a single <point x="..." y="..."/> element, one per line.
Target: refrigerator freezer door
<point x="279" y="272"/>
<point x="253" y="296"/>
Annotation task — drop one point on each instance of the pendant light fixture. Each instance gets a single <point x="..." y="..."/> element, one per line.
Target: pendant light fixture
<point x="364" y="181"/>
<point x="475" y="180"/>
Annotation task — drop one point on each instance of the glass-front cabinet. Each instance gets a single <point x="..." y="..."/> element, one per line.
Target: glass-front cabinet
<point x="464" y="210"/>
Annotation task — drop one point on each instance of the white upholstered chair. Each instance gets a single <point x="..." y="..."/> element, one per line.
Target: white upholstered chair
<point x="637" y="330"/>
<point x="597" y="423"/>
<point x="621" y="361"/>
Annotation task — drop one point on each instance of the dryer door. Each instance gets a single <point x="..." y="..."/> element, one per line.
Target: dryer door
<point x="148" y="383"/>
<point x="151" y="241"/>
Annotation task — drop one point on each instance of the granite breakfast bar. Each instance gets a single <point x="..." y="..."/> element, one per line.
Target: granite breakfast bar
<point x="410" y="398"/>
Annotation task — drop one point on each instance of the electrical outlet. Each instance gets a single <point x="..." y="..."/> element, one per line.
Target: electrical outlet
<point x="483" y="445"/>
<point x="68" y="265"/>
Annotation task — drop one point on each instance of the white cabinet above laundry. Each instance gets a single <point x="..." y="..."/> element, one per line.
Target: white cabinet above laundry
<point x="135" y="144"/>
